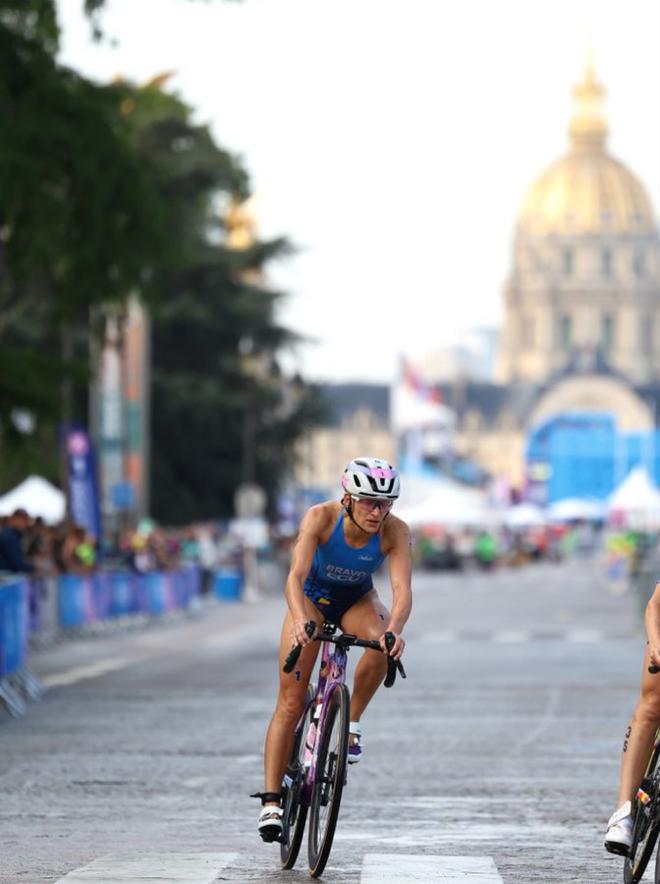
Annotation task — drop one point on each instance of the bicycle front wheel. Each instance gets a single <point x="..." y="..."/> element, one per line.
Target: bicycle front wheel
<point x="294" y="812"/>
<point x="646" y="826"/>
<point x="330" y="774"/>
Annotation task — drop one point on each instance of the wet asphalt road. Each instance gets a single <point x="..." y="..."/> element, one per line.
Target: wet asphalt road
<point x="503" y="742"/>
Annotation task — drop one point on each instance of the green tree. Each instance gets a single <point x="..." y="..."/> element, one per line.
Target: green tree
<point x="81" y="223"/>
<point x="110" y="191"/>
<point x="221" y="411"/>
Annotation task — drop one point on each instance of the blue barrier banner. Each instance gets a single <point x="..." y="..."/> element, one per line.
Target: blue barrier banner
<point x="35" y="593"/>
<point x="14" y="624"/>
<point x="76" y="600"/>
<point x="102" y="596"/>
<point x="107" y="594"/>
<point x="123" y="592"/>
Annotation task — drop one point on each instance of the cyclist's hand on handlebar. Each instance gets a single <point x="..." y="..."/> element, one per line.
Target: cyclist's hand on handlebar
<point x="299" y="634"/>
<point x="397" y="647"/>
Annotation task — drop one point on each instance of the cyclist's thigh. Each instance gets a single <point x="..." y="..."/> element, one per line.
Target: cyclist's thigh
<point x="367" y="618"/>
<point x="296" y="682"/>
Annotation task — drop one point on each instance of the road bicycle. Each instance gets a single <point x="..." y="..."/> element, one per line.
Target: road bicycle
<point x="646" y="816"/>
<point x="317" y="769"/>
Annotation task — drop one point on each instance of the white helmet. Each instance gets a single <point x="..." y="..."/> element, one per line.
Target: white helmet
<point x="371" y="477"/>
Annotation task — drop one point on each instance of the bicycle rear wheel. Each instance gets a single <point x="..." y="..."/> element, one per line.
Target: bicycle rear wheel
<point x="330" y="774"/>
<point x="646" y="825"/>
<point x="294" y="812"/>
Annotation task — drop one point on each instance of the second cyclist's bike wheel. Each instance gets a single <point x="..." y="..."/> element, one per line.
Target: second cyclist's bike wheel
<point x="646" y="825"/>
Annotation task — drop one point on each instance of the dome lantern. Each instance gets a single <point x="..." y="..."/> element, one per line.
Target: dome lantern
<point x="588" y="127"/>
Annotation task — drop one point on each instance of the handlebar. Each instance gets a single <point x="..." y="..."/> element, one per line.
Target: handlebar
<point x="347" y="640"/>
<point x="294" y="653"/>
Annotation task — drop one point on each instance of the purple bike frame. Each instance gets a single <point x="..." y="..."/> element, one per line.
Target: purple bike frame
<point x="332" y="674"/>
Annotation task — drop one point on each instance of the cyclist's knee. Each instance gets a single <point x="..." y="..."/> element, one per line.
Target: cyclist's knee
<point x="375" y="659"/>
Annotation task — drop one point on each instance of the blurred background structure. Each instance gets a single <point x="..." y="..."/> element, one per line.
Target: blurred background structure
<point x="147" y="367"/>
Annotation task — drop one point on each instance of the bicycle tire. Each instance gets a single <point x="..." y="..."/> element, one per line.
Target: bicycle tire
<point x="294" y="813"/>
<point x="645" y="828"/>
<point x="330" y="774"/>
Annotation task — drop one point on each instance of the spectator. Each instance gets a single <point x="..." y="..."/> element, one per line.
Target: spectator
<point x="485" y="550"/>
<point x="77" y="553"/>
<point x="12" y="557"/>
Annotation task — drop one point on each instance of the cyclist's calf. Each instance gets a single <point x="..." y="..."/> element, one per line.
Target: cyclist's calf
<point x="648" y="708"/>
<point x="290" y="705"/>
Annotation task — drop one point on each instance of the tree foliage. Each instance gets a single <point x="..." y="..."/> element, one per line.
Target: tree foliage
<point x="110" y="191"/>
<point x="216" y="386"/>
<point x="81" y="222"/>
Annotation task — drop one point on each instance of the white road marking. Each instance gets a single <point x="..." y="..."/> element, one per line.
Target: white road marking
<point x="517" y="636"/>
<point x="511" y="637"/>
<point x="396" y="868"/>
<point x="440" y="637"/>
<point x="90" y="670"/>
<point x="173" y="868"/>
<point x="581" y="636"/>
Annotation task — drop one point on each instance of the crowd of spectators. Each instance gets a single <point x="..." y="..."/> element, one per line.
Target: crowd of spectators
<point x="28" y="545"/>
<point x="443" y="548"/>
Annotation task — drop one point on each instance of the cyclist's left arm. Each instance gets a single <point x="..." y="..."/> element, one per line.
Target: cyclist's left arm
<point x="400" y="558"/>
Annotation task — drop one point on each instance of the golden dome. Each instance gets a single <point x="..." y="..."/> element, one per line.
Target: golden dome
<point x="587" y="191"/>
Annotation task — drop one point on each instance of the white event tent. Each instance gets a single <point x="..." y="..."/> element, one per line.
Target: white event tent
<point x="636" y="501"/>
<point x="525" y="515"/>
<point x="572" y="509"/>
<point x="38" y="497"/>
<point x="431" y="501"/>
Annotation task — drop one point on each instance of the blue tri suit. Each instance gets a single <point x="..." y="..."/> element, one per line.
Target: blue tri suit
<point x="340" y="574"/>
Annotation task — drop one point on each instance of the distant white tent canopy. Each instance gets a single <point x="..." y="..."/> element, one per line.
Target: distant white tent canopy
<point x="38" y="498"/>
<point x="427" y="502"/>
<point x="636" y="501"/>
<point x="525" y="515"/>
<point x="573" y="509"/>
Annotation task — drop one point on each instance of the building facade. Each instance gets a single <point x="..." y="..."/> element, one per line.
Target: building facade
<point x="577" y="394"/>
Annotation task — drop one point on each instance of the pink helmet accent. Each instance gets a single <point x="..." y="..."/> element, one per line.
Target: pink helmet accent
<point x="371" y="477"/>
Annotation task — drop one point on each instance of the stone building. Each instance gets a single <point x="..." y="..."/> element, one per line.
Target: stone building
<point x="576" y="397"/>
<point x="578" y="378"/>
<point x="358" y="423"/>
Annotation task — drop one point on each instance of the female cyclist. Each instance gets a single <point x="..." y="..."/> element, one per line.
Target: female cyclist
<point x="340" y="545"/>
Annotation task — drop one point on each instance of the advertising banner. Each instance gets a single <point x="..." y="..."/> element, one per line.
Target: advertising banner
<point x="83" y="487"/>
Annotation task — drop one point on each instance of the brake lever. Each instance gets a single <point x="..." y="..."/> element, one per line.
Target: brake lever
<point x="392" y="664"/>
<point x="294" y="653"/>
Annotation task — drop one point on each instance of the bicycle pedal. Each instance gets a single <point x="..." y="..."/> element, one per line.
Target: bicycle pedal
<point x="270" y="834"/>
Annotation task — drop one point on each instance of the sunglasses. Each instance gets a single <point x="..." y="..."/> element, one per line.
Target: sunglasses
<point x="368" y="504"/>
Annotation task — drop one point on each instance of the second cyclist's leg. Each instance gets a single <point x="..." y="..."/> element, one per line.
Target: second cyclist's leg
<point x="367" y="619"/>
<point x="637" y="747"/>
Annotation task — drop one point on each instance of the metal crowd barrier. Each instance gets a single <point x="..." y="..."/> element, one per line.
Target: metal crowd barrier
<point x="43" y="607"/>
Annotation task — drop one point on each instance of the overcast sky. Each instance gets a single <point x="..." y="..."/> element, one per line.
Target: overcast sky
<point x="391" y="140"/>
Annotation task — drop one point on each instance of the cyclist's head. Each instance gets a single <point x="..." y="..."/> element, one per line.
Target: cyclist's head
<point x="371" y="478"/>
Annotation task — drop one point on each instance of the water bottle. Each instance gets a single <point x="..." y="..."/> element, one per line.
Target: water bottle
<point x="311" y="737"/>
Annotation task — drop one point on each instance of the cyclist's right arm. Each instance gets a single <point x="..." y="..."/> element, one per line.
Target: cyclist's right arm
<point x="312" y="527"/>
